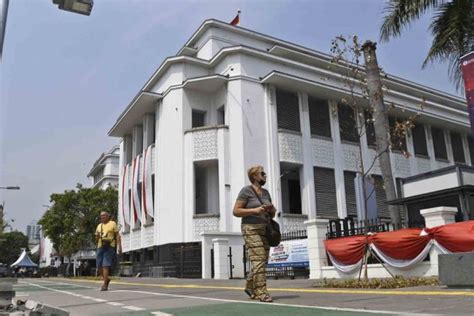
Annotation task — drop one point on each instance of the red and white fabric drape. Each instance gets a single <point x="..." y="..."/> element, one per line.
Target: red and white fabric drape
<point x="147" y="188"/>
<point x="124" y="198"/>
<point x="402" y="248"/>
<point x="136" y="165"/>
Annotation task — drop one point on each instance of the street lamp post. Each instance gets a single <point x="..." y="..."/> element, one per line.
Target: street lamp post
<point x="77" y="6"/>
<point x="10" y="188"/>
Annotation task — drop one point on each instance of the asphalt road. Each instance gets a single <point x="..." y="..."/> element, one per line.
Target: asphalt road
<point x="213" y="297"/>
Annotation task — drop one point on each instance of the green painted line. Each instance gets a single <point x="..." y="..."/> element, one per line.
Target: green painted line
<point x="236" y="309"/>
<point x="298" y="290"/>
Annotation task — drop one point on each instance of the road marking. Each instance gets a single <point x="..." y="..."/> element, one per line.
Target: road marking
<point x="61" y="283"/>
<point x="161" y="314"/>
<point x="114" y="303"/>
<point x="273" y="304"/>
<point x="296" y="290"/>
<point x="133" y="308"/>
<point x="99" y="300"/>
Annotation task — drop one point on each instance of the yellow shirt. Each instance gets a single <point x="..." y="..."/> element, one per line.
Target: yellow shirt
<point x="107" y="231"/>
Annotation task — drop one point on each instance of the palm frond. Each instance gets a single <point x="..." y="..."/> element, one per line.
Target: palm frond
<point x="401" y="13"/>
<point x="453" y="35"/>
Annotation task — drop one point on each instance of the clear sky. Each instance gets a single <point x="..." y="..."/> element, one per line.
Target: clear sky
<point x="65" y="78"/>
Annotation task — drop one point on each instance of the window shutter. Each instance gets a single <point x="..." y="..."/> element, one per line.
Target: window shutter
<point x="381" y="197"/>
<point x="458" y="149"/>
<point x="325" y="189"/>
<point x="347" y="123"/>
<point x="349" y="187"/>
<point x="419" y="140"/>
<point x="471" y="148"/>
<point x="439" y="143"/>
<point x="319" y="118"/>
<point x="288" y="112"/>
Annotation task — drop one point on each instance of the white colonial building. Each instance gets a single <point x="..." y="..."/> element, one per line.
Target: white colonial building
<point x="232" y="98"/>
<point x="105" y="171"/>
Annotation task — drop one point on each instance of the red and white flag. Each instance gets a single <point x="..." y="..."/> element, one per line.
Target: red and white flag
<point x="125" y="201"/>
<point x="135" y="188"/>
<point x="236" y="20"/>
<point x="147" y="194"/>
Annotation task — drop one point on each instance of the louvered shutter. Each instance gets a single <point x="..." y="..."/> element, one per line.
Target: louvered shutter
<point x="458" y="149"/>
<point x="439" y="143"/>
<point x="349" y="186"/>
<point x="471" y="148"/>
<point x="288" y="113"/>
<point x="419" y="140"/>
<point x="381" y="197"/>
<point x="347" y="123"/>
<point x="319" y="119"/>
<point x="325" y="189"/>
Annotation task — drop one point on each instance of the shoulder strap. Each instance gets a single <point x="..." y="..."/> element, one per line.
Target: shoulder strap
<point x="256" y="194"/>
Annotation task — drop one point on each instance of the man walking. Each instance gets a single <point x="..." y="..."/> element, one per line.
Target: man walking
<point x="108" y="242"/>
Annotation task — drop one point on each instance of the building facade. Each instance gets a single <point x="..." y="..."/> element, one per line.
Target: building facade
<point x="104" y="172"/>
<point x="232" y="98"/>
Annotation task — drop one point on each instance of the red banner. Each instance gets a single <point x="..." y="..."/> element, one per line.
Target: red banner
<point x="467" y="67"/>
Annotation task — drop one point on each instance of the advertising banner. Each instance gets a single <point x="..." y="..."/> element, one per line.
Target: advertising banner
<point x="290" y="253"/>
<point x="467" y="67"/>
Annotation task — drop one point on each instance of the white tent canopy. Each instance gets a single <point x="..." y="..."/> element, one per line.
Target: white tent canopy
<point x="24" y="261"/>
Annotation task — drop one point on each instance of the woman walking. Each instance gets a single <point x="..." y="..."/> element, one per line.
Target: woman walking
<point x="254" y="206"/>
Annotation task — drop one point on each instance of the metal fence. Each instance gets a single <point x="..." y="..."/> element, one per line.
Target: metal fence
<point x="350" y="227"/>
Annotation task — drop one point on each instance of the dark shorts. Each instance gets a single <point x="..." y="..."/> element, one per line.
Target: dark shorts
<point x="105" y="257"/>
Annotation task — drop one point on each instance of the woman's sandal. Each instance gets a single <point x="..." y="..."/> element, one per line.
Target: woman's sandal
<point x="103" y="288"/>
<point x="265" y="298"/>
<point x="249" y="292"/>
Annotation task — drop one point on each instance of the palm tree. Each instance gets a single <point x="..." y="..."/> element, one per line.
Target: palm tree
<point x="452" y="28"/>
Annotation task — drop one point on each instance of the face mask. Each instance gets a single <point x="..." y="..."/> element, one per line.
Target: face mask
<point x="262" y="182"/>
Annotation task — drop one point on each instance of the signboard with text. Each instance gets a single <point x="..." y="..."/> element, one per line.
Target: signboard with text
<point x="290" y="253"/>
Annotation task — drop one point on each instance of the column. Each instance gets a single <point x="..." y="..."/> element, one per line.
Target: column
<point x="316" y="231"/>
<point x="437" y="216"/>
<point x="137" y="140"/>
<point x="338" y="160"/>
<point x="308" y="201"/>
<point x="127" y="149"/>
<point x="221" y="261"/>
<point x="411" y="158"/>
<point x="430" y="146"/>
<point x="148" y="129"/>
<point x="225" y="203"/>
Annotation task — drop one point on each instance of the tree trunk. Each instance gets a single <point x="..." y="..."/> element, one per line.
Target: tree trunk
<point x="381" y="127"/>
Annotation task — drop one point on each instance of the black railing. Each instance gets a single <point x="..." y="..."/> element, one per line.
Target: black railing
<point x="350" y="227"/>
<point x="296" y="234"/>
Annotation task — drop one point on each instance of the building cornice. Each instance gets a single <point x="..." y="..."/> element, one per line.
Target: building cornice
<point x="296" y="49"/>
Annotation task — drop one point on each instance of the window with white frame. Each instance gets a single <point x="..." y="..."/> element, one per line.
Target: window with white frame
<point x="319" y="118"/>
<point x="458" y="148"/>
<point x="439" y="143"/>
<point x="419" y="140"/>
<point x="288" y="111"/>
<point x="347" y="123"/>
<point x="325" y="192"/>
